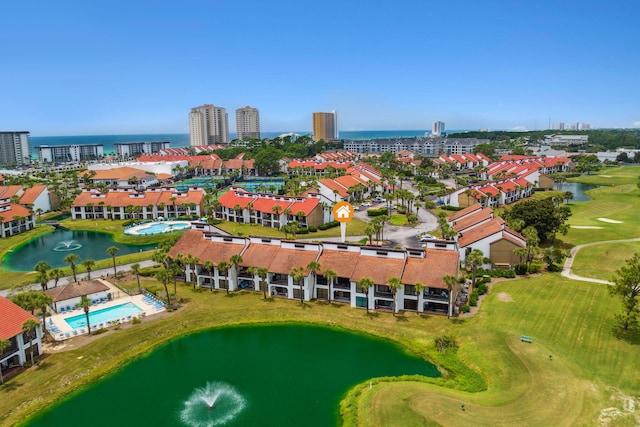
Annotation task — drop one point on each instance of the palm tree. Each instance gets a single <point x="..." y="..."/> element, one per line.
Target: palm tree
<point x="297" y="274"/>
<point x="163" y="276"/>
<point x="223" y="267"/>
<point x="191" y="261"/>
<point x="236" y="260"/>
<point x="208" y="266"/>
<point x="56" y="274"/>
<point x="314" y="268"/>
<point x="42" y="267"/>
<point x="84" y="304"/>
<point x="136" y="270"/>
<point x="370" y="230"/>
<point x="4" y="345"/>
<point x="419" y="287"/>
<point x="394" y="284"/>
<point x="263" y="272"/>
<point x="42" y="301"/>
<point x="451" y="282"/>
<point x="473" y="260"/>
<point x="364" y="284"/>
<point x="29" y="328"/>
<point x="71" y="260"/>
<point x="112" y="251"/>
<point x="330" y="276"/>
<point x="88" y="264"/>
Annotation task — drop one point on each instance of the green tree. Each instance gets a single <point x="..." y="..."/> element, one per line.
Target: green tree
<point x="42" y="301"/>
<point x="554" y="257"/>
<point x="88" y="265"/>
<point x="192" y="261"/>
<point x="136" y="270"/>
<point x="56" y="274"/>
<point x="163" y="277"/>
<point x="262" y="273"/>
<point x="209" y="267"/>
<point x="4" y="346"/>
<point x="452" y="283"/>
<point x="223" y="267"/>
<point x="29" y="328"/>
<point x="314" y="268"/>
<point x="394" y="283"/>
<point x="112" y="251"/>
<point x="330" y="276"/>
<point x="235" y="261"/>
<point x="297" y="274"/>
<point x="71" y="260"/>
<point x="473" y="260"/>
<point x="42" y="267"/>
<point x="627" y="287"/>
<point x="542" y="215"/>
<point x="85" y="303"/>
<point x="365" y="284"/>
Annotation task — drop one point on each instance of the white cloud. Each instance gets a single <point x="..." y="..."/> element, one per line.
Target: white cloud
<point x="519" y="129"/>
<point x="636" y="124"/>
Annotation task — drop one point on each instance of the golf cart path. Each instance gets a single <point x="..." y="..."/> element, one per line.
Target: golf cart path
<point x="566" y="269"/>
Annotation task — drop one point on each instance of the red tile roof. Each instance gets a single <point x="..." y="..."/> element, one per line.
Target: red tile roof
<point x="343" y="263"/>
<point x="75" y="290"/>
<point x="377" y="269"/>
<point x="14" y="210"/>
<point x="305" y="206"/>
<point x="194" y="243"/>
<point x="31" y="194"/>
<point x="286" y="259"/>
<point x="431" y="269"/>
<point x="231" y="198"/>
<point x="472" y="220"/>
<point x="472" y="235"/>
<point x="11" y="318"/>
<point x="464" y="212"/>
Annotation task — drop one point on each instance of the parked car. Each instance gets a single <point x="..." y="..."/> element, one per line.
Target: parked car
<point x="426" y="237"/>
<point x="367" y="204"/>
<point x="378" y="199"/>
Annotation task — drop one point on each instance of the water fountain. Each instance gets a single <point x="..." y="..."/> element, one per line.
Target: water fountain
<point x="215" y="404"/>
<point x="67" y="245"/>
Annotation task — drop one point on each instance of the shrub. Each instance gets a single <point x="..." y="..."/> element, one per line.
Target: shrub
<point x="149" y="271"/>
<point x="466" y="308"/>
<point x="451" y="208"/>
<point x="376" y="212"/>
<point x="136" y="320"/>
<point x="535" y="267"/>
<point x="313" y="229"/>
<point x="446" y="342"/>
<point x="482" y="288"/>
<point x="521" y="269"/>
<point x="554" y="268"/>
<point x="473" y="298"/>
<point x="99" y="331"/>
<point x="302" y="230"/>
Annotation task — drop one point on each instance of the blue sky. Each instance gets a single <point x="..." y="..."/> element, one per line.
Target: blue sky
<point x="120" y="67"/>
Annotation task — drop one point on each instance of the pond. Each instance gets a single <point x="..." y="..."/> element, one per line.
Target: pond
<point x="55" y="246"/>
<point x="577" y="189"/>
<point x="277" y="375"/>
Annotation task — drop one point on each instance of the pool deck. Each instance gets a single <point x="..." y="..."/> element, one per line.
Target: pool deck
<point x="181" y="225"/>
<point x="64" y="331"/>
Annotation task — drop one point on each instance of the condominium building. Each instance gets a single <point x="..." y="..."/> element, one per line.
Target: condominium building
<point x="128" y="149"/>
<point x="69" y="153"/>
<point x="325" y="126"/>
<point x="428" y="147"/>
<point x="247" y="123"/>
<point x="437" y="129"/>
<point x="208" y="125"/>
<point x="15" y="149"/>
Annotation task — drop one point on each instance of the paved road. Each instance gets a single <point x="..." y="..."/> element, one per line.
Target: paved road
<point x="94" y="274"/>
<point x="566" y="269"/>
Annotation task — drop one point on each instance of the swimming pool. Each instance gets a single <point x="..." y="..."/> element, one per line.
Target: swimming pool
<point x="158" y="227"/>
<point x="116" y="312"/>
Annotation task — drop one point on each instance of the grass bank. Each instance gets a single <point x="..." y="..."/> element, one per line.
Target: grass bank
<point x="64" y="372"/>
<point x="572" y="372"/>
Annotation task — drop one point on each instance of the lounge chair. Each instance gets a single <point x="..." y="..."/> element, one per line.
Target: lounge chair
<point x="62" y="310"/>
<point x="67" y="335"/>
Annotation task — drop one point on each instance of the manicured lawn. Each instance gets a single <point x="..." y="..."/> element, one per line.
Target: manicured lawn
<point x="591" y="370"/>
<point x="398" y="219"/>
<point x="601" y="261"/>
<point x="621" y="175"/>
<point x="63" y="372"/>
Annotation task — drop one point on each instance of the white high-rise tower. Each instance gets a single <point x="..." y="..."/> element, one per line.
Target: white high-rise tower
<point x="247" y="123"/>
<point x="437" y="129"/>
<point x="208" y="125"/>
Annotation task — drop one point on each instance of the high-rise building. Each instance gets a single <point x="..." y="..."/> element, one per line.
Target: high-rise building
<point x="247" y="123"/>
<point x="208" y="125"/>
<point x="437" y="128"/>
<point x="325" y="126"/>
<point x="15" y="149"/>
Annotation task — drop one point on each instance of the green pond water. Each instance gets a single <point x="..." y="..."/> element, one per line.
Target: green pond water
<point x="272" y="375"/>
<point x="55" y="246"/>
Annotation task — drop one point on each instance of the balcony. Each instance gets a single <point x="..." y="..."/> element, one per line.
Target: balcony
<point x="342" y="283"/>
<point x="280" y="279"/>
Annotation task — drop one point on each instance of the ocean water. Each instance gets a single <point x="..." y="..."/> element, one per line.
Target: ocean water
<point x="182" y="139"/>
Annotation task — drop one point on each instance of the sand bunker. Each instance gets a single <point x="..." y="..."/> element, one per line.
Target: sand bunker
<point x="611" y="221"/>
<point x="591" y="227"/>
<point x="504" y="297"/>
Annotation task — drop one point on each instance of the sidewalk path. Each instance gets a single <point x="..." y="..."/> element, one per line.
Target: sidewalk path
<point x="96" y="274"/>
<point x="566" y="269"/>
